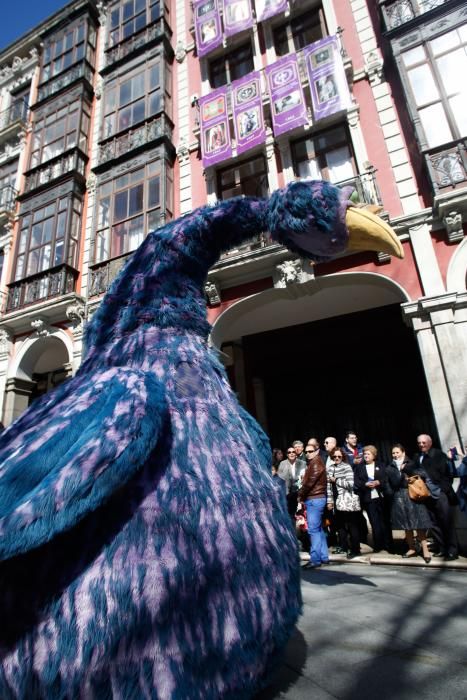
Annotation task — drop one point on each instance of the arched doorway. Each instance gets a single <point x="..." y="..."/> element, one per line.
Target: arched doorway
<point x="326" y="356"/>
<point x="41" y="365"/>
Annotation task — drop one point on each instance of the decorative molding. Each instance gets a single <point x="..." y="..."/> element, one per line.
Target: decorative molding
<point x="180" y="51"/>
<point x="6" y="337"/>
<point x="76" y="313"/>
<point x="374" y="68"/>
<point x="453" y="223"/>
<point x="213" y="293"/>
<point x="183" y="151"/>
<point x="91" y="183"/>
<point x="40" y="328"/>
<point x="353" y="116"/>
<point x="291" y="272"/>
<point x="99" y="88"/>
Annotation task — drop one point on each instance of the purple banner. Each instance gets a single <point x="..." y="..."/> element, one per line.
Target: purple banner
<point x="207" y="26"/>
<point x="237" y="16"/>
<point x="328" y="82"/>
<point x="268" y="8"/>
<point x="248" y="112"/>
<point x="288" y="107"/>
<point x="216" y="144"/>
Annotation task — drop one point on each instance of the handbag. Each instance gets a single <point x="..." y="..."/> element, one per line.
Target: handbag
<point x="347" y="502"/>
<point x="418" y="490"/>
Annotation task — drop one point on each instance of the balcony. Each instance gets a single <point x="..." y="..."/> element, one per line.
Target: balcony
<point x="71" y="162"/>
<point x="79" y="70"/>
<point x="136" y="42"/>
<point x="40" y="287"/>
<point x="399" y="12"/>
<point x="102" y="275"/>
<point x="448" y="167"/>
<point x="8" y="196"/>
<point x="152" y="130"/>
<point x="16" y="114"/>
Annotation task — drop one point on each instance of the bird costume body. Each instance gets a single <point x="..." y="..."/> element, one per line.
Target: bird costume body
<point x="145" y="550"/>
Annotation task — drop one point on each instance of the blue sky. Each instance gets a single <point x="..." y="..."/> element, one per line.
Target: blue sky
<point x="18" y="17"/>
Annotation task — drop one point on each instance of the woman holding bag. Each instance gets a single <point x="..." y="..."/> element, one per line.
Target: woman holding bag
<point x="407" y="514"/>
<point x="346" y="502"/>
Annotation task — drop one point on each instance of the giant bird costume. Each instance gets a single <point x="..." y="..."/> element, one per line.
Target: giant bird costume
<point x="145" y="551"/>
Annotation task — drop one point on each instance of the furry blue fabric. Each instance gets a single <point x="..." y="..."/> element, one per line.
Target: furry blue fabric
<point x="145" y="550"/>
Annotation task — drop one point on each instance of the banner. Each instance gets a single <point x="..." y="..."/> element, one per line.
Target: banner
<point x="328" y="82"/>
<point x="268" y="8"/>
<point x="288" y="107"/>
<point x="207" y="26"/>
<point x="216" y="144"/>
<point x="247" y="110"/>
<point x="237" y="16"/>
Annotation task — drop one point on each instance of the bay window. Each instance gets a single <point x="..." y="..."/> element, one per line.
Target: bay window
<point x="130" y="100"/>
<point x="129" y="17"/>
<point x="59" y="130"/>
<point x="67" y="47"/>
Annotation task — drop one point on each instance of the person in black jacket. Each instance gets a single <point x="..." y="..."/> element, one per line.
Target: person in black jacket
<point x="406" y="514"/>
<point x="369" y="480"/>
<point x="435" y="463"/>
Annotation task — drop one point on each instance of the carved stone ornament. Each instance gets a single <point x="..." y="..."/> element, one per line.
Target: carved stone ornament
<point x="5" y="340"/>
<point x="292" y="272"/>
<point x="453" y="222"/>
<point x="91" y="183"/>
<point x="76" y="313"/>
<point x="99" y="89"/>
<point x="180" y="51"/>
<point x="40" y="328"/>
<point x="374" y="68"/>
<point x="183" y="152"/>
<point x="213" y="293"/>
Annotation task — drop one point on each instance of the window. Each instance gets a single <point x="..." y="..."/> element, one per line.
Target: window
<point x="299" y="32"/>
<point x="67" y="48"/>
<point x="248" y="178"/>
<point x="44" y="234"/>
<point x="128" y="208"/>
<point x="8" y="174"/>
<point x="19" y="104"/>
<point x="231" y="66"/>
<point x="129" y="100"/>
<point x="60" y="130"/>
<point x="129" y="17"/>
<point x="325" y="156"/>
<point x="440" y="95"/>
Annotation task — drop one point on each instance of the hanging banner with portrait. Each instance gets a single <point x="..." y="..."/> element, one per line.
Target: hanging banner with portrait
<point x="268" y="8"/>
<point x="288" y="107"/>
<point x="326" y="73"/>
<point x="208" y="29"/>
<point x="248" y="112"/>
<point x="237" y="16"/>
<point x="216" y="144"/>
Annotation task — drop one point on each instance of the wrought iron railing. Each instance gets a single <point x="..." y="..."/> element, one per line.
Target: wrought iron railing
<point x="72" y="161"/>
<point x="42" y="286"/>
<point x="8" y="196"/>
<point x="101" y="276"/>
<point x="17" y="112"/>
<point x="399" y="12"/>
<point x="448" y="166"/>
<point x="80" y="70"/>
<point x="151" y="130"/>
<point x="134" y="42"/>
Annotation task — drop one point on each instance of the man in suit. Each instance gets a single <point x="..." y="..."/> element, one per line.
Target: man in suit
<point x="435" y="463"/>
<point x="289" y="470"/>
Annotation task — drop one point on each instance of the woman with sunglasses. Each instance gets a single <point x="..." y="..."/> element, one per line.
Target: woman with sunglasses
<point x="346" y="502"/>
<point x="313" y="493"/>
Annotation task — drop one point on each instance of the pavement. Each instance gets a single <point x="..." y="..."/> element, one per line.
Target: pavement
<point x="389" y="631"/>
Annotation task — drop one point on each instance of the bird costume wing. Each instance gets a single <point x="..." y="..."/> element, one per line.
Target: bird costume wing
<point x="71" y="450"/>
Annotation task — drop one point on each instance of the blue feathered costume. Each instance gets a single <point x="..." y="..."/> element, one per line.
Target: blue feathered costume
<point x="145" y="551"/>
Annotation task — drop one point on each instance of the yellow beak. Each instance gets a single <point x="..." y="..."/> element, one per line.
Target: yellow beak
<point x="369" y="232"/>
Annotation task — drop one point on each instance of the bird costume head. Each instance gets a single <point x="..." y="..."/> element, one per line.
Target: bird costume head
<point x="145" y="549"/>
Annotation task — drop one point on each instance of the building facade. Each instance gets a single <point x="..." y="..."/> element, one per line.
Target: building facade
<point x="117" y="116"/>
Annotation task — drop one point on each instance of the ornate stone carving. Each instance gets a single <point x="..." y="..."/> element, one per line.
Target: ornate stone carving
<point x="6" y="337"/>
<point x="180" y="51"/>
<point x="40" y="328"/>
<point x="292" y="272"/>
<point x="99" y="89"/>
<point x="374" y="68"/>
<point x="91" y="183"/>
<point x="76" y="313"/>
<point x="213" y="294"/>
<point x="453" y="222"/>
<point x="183" y="152"/>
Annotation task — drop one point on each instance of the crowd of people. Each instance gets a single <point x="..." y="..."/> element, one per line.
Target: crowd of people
<point x="328" y="490"/>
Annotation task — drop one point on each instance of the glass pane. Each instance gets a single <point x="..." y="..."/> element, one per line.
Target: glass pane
<point x="124" y="118"/>
<point x="61" y="224"/>
<point x="59" y="248"/>
<point x="45" y="258"/>
<point x="19" y="267"/>
<point x="154" y="77"/>
<point x="416" y="55"/>
<point x="122" y="181"/>
<point x="153" y="220"/>
<point x="36" y="235"/>
<point x="154" y="192"/>
<point x="423" y="84"/>
<point x="137" y="175"/>
<point x="67" y="59"/>
<point x="109" y="125"/>
<point x="309" y="169"/>
<point x="137" y="86"/>
<point x="127" y="29"/>
<point x="155" y="12"/>
<point x="451" y="66"/>
<point x="23" y="240"/>
<point x="68" y="41"/>
<point x="80" y="35"/>
<point x="110" y="95"/>
<point x="58" y="48"/>
<point x="103" y="212"/>
<point x="47" y="229"/>
<point x="121" y="205"/>
<point x="138" y="112"/>
<point x="136" y="233"/>
<point x="445" y="42"/>
<point x="154" y="103"/>
<point x="435" y="125"/>
<point x="62" y="204"/>
<point x="125" y="93"/>
<point x="79" y="53"/>
<point x="140" y="21"/>
<point x="118" y="240"/>
<point x="339" y="164"/>
<point x="140" y="5"/>
<point x="33" y="262"/>
<point x="114" y="37"/>
<point x="459" y="111"/>
<point x="114" y="18"/>
<point x="102" y="245"/>
<point x="128" y="9"/>
<point x="136" y="200"/>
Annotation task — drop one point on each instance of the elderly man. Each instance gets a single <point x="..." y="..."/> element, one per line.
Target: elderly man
<point x="435" y="463"/>
<point x="290" y="470"/>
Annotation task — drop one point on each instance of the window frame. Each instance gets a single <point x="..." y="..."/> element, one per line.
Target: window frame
<point x="292" y="41"/>
<point x="116" y="34"/>
<point x="320" y="153"/>
<point x="68" y="42"/>
<point x="227" y="61"/>
<point x="238" y="189"/>
<point x="43" y="120"/>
